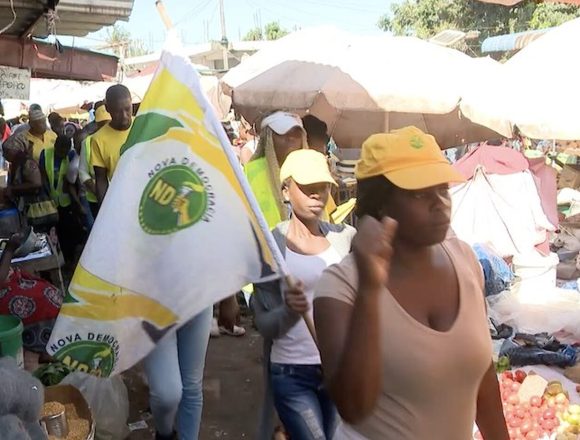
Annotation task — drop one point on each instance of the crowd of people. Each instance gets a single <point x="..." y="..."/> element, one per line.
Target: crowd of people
<point x="354" y="377"/>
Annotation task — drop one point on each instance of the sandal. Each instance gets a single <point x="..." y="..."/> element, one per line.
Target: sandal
<point x="237" y="331"/>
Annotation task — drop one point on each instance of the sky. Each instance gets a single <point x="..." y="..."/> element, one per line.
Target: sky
<point x="193" y="18"/>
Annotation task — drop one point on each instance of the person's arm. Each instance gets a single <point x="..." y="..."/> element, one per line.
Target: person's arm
<point x="274" y="321"/>
<point x="101" y="174"/>
<point x="489" y="418"/>
<point x="6" y="259"/>
<point x="102" y="183"/>
<point x="84" y="174"/>
<point x="349" y="335"/>
<point x="72" y="190"/>
<point x="245" y="155"/>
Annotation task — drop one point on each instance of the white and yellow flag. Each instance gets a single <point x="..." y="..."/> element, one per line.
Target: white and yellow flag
<point x="178" y="231"/>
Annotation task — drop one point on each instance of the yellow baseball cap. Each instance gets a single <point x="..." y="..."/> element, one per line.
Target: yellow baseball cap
<point x="407" y="157"/>
<point x="306" y="167"/>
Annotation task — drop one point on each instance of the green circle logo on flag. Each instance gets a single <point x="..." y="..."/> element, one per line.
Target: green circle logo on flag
<point x="174" y="199"/>
<point x="92" y="357"/>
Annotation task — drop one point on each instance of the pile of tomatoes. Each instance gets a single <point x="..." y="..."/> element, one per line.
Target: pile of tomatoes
<point x="532" y="420"/>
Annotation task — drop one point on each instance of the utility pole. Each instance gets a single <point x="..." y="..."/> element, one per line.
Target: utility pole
<point x="224" y="41"/>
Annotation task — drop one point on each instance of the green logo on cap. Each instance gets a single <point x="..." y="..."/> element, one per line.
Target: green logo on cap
<point x="417" y="142"/>
<point x="174" y="199"/>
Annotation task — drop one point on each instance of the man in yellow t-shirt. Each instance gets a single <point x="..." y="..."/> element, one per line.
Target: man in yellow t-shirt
<point x="38" y="132"/>
<point x="107" y="142"/>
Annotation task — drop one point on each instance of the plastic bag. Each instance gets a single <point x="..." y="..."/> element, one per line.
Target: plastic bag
<point x="522" y="355"/>
<point x="497" y="273"/>
<point x="109" y="402"/>
<point x="554" y="311"/>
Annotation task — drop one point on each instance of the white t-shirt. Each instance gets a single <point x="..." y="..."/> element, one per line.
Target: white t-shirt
<point x="297" y="346"/>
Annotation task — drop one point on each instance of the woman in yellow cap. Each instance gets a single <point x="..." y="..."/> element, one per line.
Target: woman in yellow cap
<point x="291" y="359"/>
<point x="401" y="321"/>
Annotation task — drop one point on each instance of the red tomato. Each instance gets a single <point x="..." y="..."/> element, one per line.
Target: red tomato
<point x="514" y="422"/>
<point x="519" y="376"/>
<point x="536" y="401"/>
<point x="507" y="375"/>
<point x="520" y="412"/>
<point x="550" y="424"/>
<point x="549" y="413"/>
<point x="532" y="435"/>
<point x="526" y="426"/>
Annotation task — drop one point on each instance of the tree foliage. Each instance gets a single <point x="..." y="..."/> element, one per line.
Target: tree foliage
<point x="120" y="42"/>
<point x="426" y="18"/>
<point x="272" y="31"/>
<point x="254" y="35"/>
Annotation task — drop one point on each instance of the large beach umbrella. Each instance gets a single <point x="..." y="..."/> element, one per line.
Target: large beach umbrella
<point x="515" y="2"/>
<point x="546" y="91"/>
<point x="536" y="90"/>
<point x="358" y="85"/>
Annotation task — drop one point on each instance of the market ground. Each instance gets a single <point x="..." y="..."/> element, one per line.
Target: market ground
<point x="232" y="390"/>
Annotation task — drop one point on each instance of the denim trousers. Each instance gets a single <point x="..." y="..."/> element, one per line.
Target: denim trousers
<point x="174" y="370"/>
<point x="302" y="402"/>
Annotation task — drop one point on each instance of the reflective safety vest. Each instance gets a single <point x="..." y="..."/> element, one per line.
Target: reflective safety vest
<point x="57" y="194"/>
<point x="257" y="175"/>
<point x="91" y="197"/>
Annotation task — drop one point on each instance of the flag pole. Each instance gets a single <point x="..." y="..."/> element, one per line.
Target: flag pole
<point x="222" y="137"/>
<point x="163" y="14"/>
<point x="276" y="253"/>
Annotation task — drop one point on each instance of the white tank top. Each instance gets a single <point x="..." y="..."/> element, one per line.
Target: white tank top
<point x="297" y="346"/>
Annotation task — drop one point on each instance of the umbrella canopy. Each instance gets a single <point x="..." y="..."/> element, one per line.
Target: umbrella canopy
<point x="515" y="2"/>
<point x="221" y="103"/>
<point x="485" y="98"/>
<point x="545" y="99"/>
<point x="358" y="85"/>
<point x="534" y="90"/>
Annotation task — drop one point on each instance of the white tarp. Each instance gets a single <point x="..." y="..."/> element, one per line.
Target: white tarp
<point x="502" y="211"/>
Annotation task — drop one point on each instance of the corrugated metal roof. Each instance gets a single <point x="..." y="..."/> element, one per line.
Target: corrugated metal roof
<point x="75" y="17"/>
<point x="503" y="43"/>
<point x="448" y="37"/>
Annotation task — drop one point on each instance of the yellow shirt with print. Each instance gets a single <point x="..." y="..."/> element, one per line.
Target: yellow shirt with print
<point x="106" y="147"/>
<point x="39" y="144"/>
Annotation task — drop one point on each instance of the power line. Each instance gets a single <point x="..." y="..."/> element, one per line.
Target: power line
<point x="195" y="10"/>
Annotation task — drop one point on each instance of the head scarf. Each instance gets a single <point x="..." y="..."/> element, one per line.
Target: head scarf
<point x="16" y="143"/>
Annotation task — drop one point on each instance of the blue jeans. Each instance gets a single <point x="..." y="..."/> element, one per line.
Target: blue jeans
<point x="175" y="373"/>
<point x="88" y="220"/>
<point x="302" y="403"/>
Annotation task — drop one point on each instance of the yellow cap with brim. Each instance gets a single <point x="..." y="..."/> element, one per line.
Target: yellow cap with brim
<point x="306" y="167"/>
<point x="408" y="158"/>
<point x="101" y="114"/>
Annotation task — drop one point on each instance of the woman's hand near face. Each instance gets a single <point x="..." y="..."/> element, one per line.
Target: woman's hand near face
<point x="373" y="250"/>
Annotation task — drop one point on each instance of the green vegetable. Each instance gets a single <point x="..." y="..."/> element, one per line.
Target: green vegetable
<point x="52" y="374"/>
<point x="502" y="364"/>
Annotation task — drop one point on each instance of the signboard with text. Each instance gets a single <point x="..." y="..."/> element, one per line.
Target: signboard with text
<point x="14" y="83"/>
